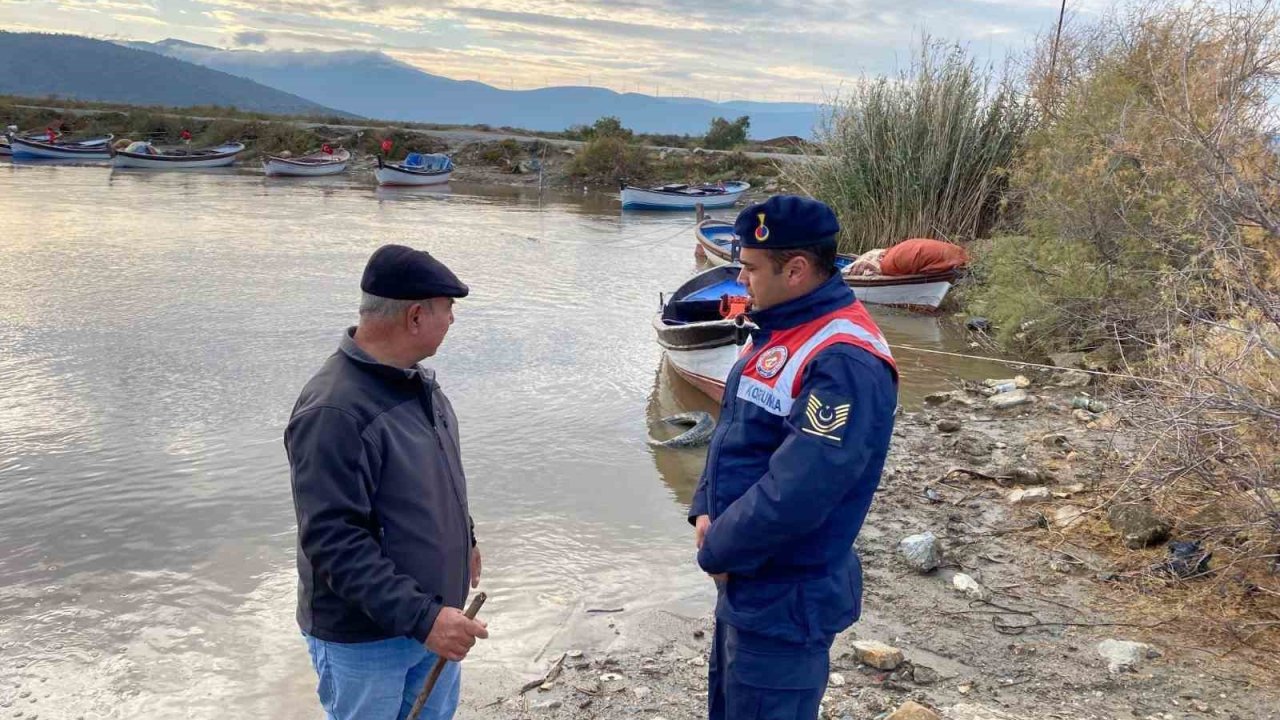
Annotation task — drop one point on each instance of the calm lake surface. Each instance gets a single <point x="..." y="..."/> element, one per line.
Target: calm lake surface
<point x="155" y="329"/>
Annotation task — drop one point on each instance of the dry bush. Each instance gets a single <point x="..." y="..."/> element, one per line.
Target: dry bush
<point x="1151" y="223"/>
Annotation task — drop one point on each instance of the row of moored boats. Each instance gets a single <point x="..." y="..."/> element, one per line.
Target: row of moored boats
<point x="415" y="169"/>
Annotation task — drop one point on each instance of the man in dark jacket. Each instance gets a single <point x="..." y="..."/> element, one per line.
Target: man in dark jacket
<point x="386" y="545"/>
<point x="804" y="429"/>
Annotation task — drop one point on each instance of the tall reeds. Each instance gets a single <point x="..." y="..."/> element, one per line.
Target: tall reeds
<point x="922" y="154"/>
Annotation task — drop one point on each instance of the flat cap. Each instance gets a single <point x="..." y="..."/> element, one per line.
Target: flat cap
<point x="786" y="221"/>
<point x="402" y="273"/>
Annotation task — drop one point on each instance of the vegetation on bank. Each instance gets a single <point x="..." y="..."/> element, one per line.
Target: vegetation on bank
<point x="1122" y="196"/>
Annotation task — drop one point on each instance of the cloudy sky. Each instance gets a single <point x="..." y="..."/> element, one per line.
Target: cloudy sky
<point x="757" y="49"/>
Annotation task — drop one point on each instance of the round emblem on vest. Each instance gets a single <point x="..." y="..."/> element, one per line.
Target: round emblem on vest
<point x="771" y="361"/>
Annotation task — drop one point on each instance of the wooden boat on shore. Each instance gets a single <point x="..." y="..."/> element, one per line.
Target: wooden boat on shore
<point x="31" y="147"/>
<point x="716" y="238"/>
<point x="701" y="343"/>
<point x="145" y="155"/>
<point x="683" y="197"/>
<point x="313" y="164"/>
<point x="415" y="169"/>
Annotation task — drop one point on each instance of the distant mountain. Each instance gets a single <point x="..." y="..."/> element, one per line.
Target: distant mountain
<point x="37" y="64"/>
<point x="374" y="85"/>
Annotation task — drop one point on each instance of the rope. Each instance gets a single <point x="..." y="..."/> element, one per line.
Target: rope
<point x="1023" y="363"/>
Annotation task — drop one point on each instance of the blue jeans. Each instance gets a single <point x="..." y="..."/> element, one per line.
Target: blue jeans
<point x="381" y="680"/>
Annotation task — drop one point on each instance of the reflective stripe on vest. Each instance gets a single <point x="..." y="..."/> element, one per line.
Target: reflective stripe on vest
<point x="851" y="325"/>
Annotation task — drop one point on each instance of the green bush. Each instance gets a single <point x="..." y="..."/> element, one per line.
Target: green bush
<point x="610" y="160"/>
<point x="725" y="135"/>
<point x="924" y="154"/>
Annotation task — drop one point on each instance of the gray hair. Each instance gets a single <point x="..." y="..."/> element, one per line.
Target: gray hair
<point x="375" y="306"/>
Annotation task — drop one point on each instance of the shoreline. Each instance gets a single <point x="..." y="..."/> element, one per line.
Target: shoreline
<point x="1025" y="640"/>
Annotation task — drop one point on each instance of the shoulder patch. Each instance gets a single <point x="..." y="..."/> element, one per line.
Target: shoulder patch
<point x="826" y="417"/>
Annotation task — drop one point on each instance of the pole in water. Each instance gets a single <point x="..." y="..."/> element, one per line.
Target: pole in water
<point x="701" y="211"/>
<point x="421" y="702"/>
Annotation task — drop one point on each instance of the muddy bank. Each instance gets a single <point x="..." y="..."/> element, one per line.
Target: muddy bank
<point x="1010" y="615"/>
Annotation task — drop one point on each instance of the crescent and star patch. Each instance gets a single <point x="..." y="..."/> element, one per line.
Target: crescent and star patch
<point x="826" y="417"/>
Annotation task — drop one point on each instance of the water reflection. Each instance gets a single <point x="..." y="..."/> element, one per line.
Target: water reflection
<point x="154" y="331"/>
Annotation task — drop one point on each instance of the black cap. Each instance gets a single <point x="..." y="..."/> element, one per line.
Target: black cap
<point x="402" y="273"/>
<point x="786" y="221"/>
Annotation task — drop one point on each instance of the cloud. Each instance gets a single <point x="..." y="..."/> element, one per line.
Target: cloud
<point x="248" y="38"/>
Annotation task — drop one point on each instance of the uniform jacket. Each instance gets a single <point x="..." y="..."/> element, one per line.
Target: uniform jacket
<point x="804" y="430"/>
<point x="384" y="534"/>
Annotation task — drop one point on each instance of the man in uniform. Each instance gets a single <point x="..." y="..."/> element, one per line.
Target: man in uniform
<point x="386" y="546"/>
<point x="804" y="429"/>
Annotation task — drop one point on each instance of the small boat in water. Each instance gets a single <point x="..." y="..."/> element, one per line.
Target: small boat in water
<point x="31" y="147"/>
<point x="325" y="161"/>
<point x="922" y="291"/>
<point x="683" y="197"/>
<point x="6" y="150"/>
<point x="143" y="154"/>
<point x="702" y="330"/>
<point x="416" y="169"/>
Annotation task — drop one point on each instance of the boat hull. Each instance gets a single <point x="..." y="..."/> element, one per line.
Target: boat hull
<point x="274" y="168"/>
<point x="32" y="150"/>
<point x="634" y="198"/>
<point x="392" y="176"/>
<point x="702" y="353"/>
<point x="173" y="162"/>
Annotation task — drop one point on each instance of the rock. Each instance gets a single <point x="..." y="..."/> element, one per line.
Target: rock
<point x="1019" y="381"/>
<point x="1067" y="516"/>
<point x="948" y="425"/>
<point x="549" y="705"/>
<point x="1067" y="359"/>
<point x="1123" y="655"/>
<point x="697" y="662"/>
<point x="1029" y="496"/>
<point x="836" y="680"/>
<point x="1056" y="441"/>
<point x="610" y="677"/>
<point x="912" y="710"/>
<point x="574" y="654"/>
<point x="1026" y="475"/>
<point x="972" y="445"/>
<point x="1084" y="417"/>
<point x="922" y="552"/>
<point x="969" y="587"/>
<point x="949" y="397"/>
<point x="699" y="634"/>
<point x="1006" y="400"/>
<point x="641" y="692"/>
<point x="1107" y="357"/>
<point x="923" y="675"/>
<point x="1138" y="524"/>
<point x="771" y="186"/>
<point x="877" y="654"/>
<point x="1074" y="379"/>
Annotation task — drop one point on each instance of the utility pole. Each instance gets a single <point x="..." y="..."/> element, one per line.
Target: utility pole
<point x="1053" y="60"/>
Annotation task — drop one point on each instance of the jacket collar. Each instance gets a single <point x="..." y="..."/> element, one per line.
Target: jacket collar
<point x="353" y="351"/>
<point x="824" y="299"/>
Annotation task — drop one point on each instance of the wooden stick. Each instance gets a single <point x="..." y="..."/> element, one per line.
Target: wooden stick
<point x="421" y="702"/>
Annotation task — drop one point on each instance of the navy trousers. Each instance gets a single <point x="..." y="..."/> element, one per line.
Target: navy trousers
<point x="755" y="678"/>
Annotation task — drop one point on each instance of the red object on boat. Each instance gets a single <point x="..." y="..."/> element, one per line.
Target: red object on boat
<point x="50" y="134"/>
<point x="185" y="135"/>
<point x="922" y="256"/>
<point x="386" y="146"/>
<point x="328" y="150"/>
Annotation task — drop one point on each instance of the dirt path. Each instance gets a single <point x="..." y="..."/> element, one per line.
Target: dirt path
<point x="1025" y="644"/>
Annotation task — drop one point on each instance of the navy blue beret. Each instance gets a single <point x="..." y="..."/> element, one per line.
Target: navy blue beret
<point x="402" y="273"/>
<point x="786" y="221"/>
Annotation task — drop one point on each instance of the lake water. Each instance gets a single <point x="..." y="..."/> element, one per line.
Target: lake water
<point x="155" y="329"/>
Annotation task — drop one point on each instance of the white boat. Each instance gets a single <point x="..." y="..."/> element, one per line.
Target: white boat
<point x="695" y="327"/>
<point x="683" y="197"/>
<point x="145" y="155"/>
<point x="31" y="148"/>
<point x="312" y="165"/>
<point x="716" y="238"/>
<point x="416" y="169"/>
